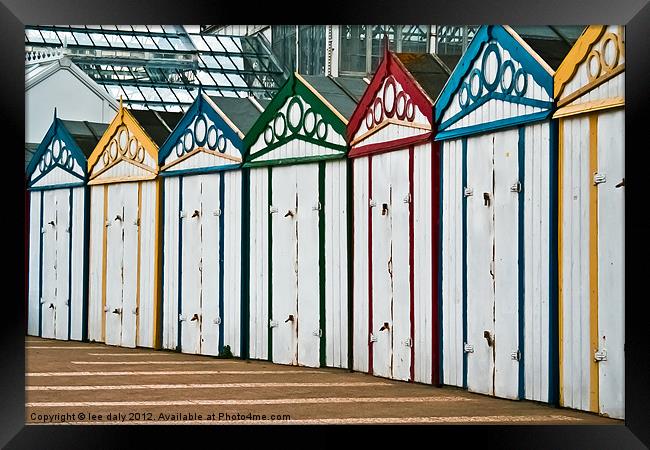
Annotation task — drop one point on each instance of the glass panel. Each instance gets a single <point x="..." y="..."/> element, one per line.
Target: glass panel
<point x="414" y="38"/>
<point x="283" y="39"/>
<point x="378" y="33"/>
<point x="312" y="49"/>
<point x="352" y="56"/>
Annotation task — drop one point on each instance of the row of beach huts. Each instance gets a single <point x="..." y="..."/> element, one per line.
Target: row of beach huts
<point x="456" y="227"/>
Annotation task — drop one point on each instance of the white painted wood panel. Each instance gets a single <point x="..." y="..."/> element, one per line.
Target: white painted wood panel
<point x="480" y="247"/>
<point x="259" y="270"/>
<point x="114" y="264"/>
<point x="48" y="303"/>
<point x="149" y="223"/>
<point x="96" y="256"/>
<point x="79" y="242"/>
<point x="62" y="264"/>
<point x="611" y="263"/>
<point x="34" y="300"/>
<point x="423" y="255"/>
<point x="56" y="176"/>
<point x="170" y="263"/>
<point x="308" y="307"/>
<point x="360" y="239"/>
<point x="506" y="267"/>
<point x="232" y="260"/>
<point x="452" y="264"/>
<point x="130" y="265"/>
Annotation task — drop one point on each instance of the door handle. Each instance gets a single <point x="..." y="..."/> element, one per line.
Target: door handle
<point x="51" y="306"/>
<point x="118" y="217"/>
<point x="289" y="213"/>
<point x="194" y="317"/>
<point x="196" y="213"/>
<point x="51" y="222"/>
<point x="117" y="311"/>
<point x="385" y="326"/>
<point x="289" y="319"/>
<point x="488" y="337"/>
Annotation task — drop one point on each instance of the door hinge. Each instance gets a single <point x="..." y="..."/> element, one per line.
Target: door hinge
<point x="106" y="308"/>
<point x="408" y="342"/>
<point x="515" y="356"/>
<point x="516" y="187"/>
<point x="136" y="222"/>
<point x="317" y="333"/>
<point x="273" y="323"/>
<point x="181" y="214"/>
<point x="135" y="311"/>
<point x="372" y="338"/>
<point x="492" y="268"/>
<point x="42" y="230"/>
<point x="217" y="321"/>
<point x="316" y="207"/>
<point x="181" y="317"/>
<point x="407" y="198"/>
<point x="216" y="212"/>
<point x="67" y="302"/>
<point x="468" y="192"/>
<point x="107" y="224"/>
<point x="599" y="178"/>
<point x="468" y="348"/>
<point x="372" y="203"/>
<point x="600" y="355"/>
<point x="68" y="229"/>
<point x="273" y="210"/>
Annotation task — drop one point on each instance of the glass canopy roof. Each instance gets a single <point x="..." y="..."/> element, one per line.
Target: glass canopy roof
<point x="161" y="66"/>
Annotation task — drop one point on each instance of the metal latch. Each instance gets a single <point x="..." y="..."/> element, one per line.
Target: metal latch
<point x="407" y="198"/>
<point x="468" y="348"/>
<point x="372" y="203"/>
<point x="273" y="323"/>
<point x="600" y="355"/>
<point x="489" y="337"/>
<point x="468" y="192"/>
<point x="516" y="187"/>
<point x="217" y="321"/>
<point x="216" y="212"/>
<point x="515" y="356"/>
<point x="273" y="210"/>
<point x="181" y="317"/>
<point x="408" y="342"/>
<point x="373" y="338"/>
<point x="181" y="215"/>
<point x="599" y="178"/>
<point x="317" y="333"/>
<point x="316" y="207"/>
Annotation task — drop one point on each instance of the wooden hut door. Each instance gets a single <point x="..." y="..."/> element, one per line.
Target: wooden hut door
<point x="191" y="265"/>
<point x="296" y="301"/>
<point x="492" y="264"/>
<point x="130" y="267"/>
<point x="122" y="265"/>
<point x="308" y="308"/>
<point x="114" y="264"/>
<point x="56" y="236"/>
<point x="390" y="270"/>
<point x="211" y="213"/>
<point x="284" y="260"/>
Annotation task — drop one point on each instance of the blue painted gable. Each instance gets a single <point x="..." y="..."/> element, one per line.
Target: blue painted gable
<point x="194" y="131"/>
<point x="519" y="78"/>
<point x="58" y="149"/>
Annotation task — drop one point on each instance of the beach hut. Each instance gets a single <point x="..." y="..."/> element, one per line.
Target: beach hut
<point x="125" y="232"/>
<point x="58" y="230"/>
<point x="396" y="219"/>
<point x="297" y="203"/>
<point x="499" y="217"/>
<point x="589" y="89"/>
<point x="202" y="217"/>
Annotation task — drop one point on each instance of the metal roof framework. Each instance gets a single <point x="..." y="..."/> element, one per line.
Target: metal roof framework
<point x="161" y="66"/>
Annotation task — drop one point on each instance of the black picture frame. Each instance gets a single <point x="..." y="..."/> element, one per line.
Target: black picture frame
<point x="635" y="14"/>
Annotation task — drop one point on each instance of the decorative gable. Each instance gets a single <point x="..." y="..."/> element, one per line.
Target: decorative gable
<point x="58" y="161"/>
<point x="203" y="139"/>
<point x="124" y="153"/>
<point x="393" y="110"/>
<point x="298" y="124"/>
<point x="500" y="81"/>
<point x="593" y="73"/>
